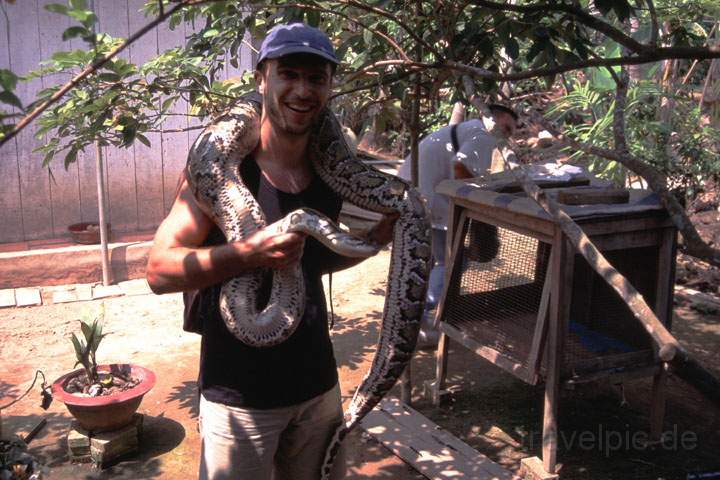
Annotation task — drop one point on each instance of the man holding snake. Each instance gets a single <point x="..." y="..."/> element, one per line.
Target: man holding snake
<point x="265" y="412"/>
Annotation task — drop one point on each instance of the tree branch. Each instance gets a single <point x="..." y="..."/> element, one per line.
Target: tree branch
<point x="390" y="16"/>
<point x="648" y="57"/>
<point x="385" y="81"/>
<point x="375" y="31"/>
<point x="583" y="17"/>
<point x="694" y="244"/>
<point x="93" y="67"/>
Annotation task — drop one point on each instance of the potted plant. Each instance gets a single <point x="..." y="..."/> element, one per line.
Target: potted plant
<point x="101" y="397"/>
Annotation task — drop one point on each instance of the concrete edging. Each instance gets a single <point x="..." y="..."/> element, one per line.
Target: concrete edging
<point x="72" y="265"/>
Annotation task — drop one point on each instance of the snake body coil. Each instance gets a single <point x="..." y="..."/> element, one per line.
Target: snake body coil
<point x="213" y="175"/>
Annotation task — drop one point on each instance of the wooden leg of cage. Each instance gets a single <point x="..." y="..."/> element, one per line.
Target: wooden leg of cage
<point x="657" y="405"/>
<point x="438" y="388"/>
<point x="406" y="384"/>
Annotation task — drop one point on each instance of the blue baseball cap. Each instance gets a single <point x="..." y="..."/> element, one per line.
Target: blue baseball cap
<point x="296" y="38"/>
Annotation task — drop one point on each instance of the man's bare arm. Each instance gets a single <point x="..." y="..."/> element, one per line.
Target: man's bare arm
<point x="179" y="262"/>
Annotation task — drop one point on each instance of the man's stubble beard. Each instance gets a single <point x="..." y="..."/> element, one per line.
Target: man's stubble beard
<point x="280" y="122"/>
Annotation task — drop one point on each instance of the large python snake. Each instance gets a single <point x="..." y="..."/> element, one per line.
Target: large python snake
<point x="213" y="174"/>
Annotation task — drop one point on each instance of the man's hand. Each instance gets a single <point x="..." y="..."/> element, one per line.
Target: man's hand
<point x="381" y="233"/>
<point x="265" y="249"/>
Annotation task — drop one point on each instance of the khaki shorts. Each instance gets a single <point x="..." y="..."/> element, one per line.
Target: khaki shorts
<point x="286" y="443"/>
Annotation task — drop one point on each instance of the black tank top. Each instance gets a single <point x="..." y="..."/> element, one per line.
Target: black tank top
<point x="298" y="369"/>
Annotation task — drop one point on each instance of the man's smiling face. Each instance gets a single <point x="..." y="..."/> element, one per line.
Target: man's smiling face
<point x="295" y="88"/>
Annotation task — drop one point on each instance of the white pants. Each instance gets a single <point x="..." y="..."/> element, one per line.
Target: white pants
<point x="286" y="443"/>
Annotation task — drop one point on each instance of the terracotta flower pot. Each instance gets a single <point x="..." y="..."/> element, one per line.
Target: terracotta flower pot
<point x="107" y="412"/>
<point x="87" y="233"/>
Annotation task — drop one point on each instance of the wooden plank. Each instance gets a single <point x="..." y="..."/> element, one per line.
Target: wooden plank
<point x="432" y="451"/>
<point x="525" y="224"/>
<point x="666" y="276"/>
<point x="175" y="146"/>
<point x="625" y="240"/>
<point x="24" y="47"/>
<point x="626" y="373"/>
<point x="148" y="160"/>
<point x="10" y="199"/>
<point x="607" y="362"/>
<point x="509" y="364"/>
<point x="119" y="162"/>
<point x="630" y="222"/>
<point x="540" y="334"/>
<point x="593" y="196"/>
<point x="64" y="186"/>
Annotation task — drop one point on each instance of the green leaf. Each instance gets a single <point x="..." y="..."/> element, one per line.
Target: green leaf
<point x="312" y="18"/>
<point x="87" y="331"/>
<point x="78" y="4"/>
<point x="622" y="9"/>
<point x="367" y="37"/>
<point x="73" y="32"/>
<point x="109" y="77"/>
<point x="70" y="157"/>
<point x="86" y="17"/>
<point x="143" y="139"/>
<point x="48" y="158"/>
<point x="167" y="103"/>
<point x="57" y="8"/>
<point x="79" y="348"/>
<point x="210" y="33"/>
<point x="512" y="48"/>
<point x="8" y="80"/>
<point x="11" y="99"/>
<point x="604" y="6"/>
<point x="128" y="135"/>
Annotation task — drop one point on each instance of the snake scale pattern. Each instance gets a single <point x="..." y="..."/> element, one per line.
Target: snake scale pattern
<point x="213" y="174"/>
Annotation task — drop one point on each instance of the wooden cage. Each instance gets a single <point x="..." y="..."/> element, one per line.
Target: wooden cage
<point x="518" y="295"/>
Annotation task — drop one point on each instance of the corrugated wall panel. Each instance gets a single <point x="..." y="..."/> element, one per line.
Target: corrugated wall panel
<point x="141" y="180"/>
<point x="34" y="179"/>
<point x="64" y="188"/>
<point x="10" y="195"/>
<point x="174" y="144"/>
<point x="119" y="162"/>
<point x="148" y="160"/>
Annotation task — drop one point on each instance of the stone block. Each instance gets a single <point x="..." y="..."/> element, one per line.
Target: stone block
<point x="7" y="297"/>
<point x="26" y="297"/>
<point x="78" y="442"/>
<point x="103" y="447"/>
<point x="135" y="287"/>
<point x="107" y="446"/>
<point x="84" y="292"/>
<point x="102" y="291"/>
<point x="531" y="468"/>
<point x="64" y="296"/>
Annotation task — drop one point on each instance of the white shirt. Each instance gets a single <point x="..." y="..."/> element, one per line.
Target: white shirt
<point x="436" y="155"/>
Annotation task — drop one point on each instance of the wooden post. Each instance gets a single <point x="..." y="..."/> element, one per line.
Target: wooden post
<point x="560" y="295"/>
<point x="456" y="234"/>
<point x="102" y="211"/>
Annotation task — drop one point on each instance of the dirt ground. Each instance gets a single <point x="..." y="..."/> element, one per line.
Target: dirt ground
<point x="490" y="410"/>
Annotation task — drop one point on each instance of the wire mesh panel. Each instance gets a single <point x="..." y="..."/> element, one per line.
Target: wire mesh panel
<point x="600" y="322"/>
<point x="496" y="288"/>
<point x="494" y="294"/>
